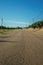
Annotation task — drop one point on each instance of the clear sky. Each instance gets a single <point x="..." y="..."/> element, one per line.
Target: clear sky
<point x="20" y="12"/>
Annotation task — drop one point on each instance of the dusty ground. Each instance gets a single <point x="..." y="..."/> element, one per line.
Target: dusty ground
<point x="24" y="47"/>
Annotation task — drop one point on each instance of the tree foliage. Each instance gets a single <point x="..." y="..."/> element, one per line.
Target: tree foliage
<point x="37" y="24"/>
<point x="3" y="27"/>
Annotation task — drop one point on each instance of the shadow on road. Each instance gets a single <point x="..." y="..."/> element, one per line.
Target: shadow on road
<point x="9" y="41"/>
<point x="4" y="36"/>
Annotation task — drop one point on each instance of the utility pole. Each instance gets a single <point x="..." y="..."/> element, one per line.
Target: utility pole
<point x="33" y="20"/>
<point x="1" y="23"/>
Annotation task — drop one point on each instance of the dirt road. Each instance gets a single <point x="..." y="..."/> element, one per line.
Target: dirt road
<point x="23" y="47"/>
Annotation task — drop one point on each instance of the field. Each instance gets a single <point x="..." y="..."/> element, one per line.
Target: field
<point x="21" y="47"/>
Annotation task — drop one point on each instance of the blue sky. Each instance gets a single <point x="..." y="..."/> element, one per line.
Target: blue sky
<point x="20" y="12"/>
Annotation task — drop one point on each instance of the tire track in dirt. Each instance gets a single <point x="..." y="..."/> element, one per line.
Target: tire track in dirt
<point x="14" y="54"/>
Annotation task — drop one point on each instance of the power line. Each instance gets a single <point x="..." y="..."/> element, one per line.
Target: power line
<point x="39" y="14"/>
<point x="35" y="18"/>
<point x="1" y="23"/>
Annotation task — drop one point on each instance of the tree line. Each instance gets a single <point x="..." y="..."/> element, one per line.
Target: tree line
<point x="3" y="27"/>
<point x="38" y="24"/>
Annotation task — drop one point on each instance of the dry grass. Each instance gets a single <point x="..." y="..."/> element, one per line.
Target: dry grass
<point x="5" y="32"/>
<point x="39" y="31"/>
